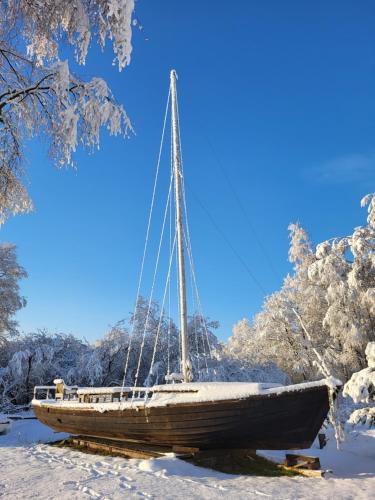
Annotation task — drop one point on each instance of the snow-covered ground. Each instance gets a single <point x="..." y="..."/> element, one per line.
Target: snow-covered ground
<point x="30" y="468"/>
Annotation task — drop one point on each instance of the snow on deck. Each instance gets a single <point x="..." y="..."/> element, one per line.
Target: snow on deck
<point x="217" y="387"/>
<point x="221" y="391"/>
<point x="30" y="468"/>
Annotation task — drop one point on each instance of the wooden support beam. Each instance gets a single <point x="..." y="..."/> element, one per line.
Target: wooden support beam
<point x="118" y="448"/>
<point x="302" y="461"/>
<point x="303" y="464"/>
<point x="305" y="472"/>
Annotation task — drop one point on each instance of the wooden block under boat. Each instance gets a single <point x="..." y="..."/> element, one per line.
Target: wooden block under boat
<point x="118" y="448"/>
<point x="302" y="461"/>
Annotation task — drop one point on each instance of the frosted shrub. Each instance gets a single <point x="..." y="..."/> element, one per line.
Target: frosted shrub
<point x="361" y="388"/>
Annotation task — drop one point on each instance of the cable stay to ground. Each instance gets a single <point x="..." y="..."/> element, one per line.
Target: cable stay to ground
<point x="228" y="242"/>
<point x="244" y="212"/>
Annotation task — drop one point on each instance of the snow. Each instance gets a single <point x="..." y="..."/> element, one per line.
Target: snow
<point x="219" y="389"/>
<point x="356" y="456"/>
<point x="30" y="468"/>
<point x="361" y="386"/>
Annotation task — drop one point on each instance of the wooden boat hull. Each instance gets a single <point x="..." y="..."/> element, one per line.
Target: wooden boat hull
<point x="290" y="420"/>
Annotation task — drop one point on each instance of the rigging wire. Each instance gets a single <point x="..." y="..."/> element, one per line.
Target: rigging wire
<point x="228" y="242"/>
<point x="146" y="242"/>
<point x="152" y="286"/>
<point x="194" y="319"/>
<point x="244" y="212"/>
<point x="200" y="312"/>
<point x="192" y="269"/>
<point x="162" y="306"/>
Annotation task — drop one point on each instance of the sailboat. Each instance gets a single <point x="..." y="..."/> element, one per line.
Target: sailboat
<point x="184" y="413"/>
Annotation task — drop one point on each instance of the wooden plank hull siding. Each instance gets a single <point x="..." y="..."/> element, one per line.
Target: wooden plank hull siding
<point x="290" y="420"/>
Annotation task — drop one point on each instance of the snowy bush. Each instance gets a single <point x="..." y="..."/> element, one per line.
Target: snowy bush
<point x="363" y="416"/>
<point x="361" y="388"/>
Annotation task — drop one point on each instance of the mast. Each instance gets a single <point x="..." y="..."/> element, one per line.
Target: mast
<point x="176" y="149"/>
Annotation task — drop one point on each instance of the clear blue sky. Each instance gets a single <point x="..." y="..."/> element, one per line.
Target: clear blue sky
<point x="282" y="92"/>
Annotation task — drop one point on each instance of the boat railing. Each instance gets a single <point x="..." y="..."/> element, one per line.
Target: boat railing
<point x="62" y="392"/>
<point x="113" y="394"/>
<point x="44" y="391"/>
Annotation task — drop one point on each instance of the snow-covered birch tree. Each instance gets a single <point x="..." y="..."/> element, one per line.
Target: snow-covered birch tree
<point x="330" y="295"/>
<point x="345" y="267"/>
<point x="41" y="96"/>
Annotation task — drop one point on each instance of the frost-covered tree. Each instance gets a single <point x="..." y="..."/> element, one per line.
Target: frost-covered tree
<point x="10" y="299"/>
<point x="203" y="344"/>
<point x="39" y="358"/>
<point x="41" y="96"/>
<point x="240" y="360"/>
<point x="156" y="338"/>
<point x="242" y="341"/>
<point x="103" y="363"/>
<point x="34" y="359"/>
<point x="345" y="267"/>
<point x="325" y="310"/>
<point x="276" y="334"/>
